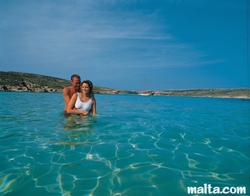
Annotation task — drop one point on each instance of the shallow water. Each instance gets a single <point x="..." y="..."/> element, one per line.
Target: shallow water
<point x="136" y="146"/>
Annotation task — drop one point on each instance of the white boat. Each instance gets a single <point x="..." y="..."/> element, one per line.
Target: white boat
<point x="146" y="93"/>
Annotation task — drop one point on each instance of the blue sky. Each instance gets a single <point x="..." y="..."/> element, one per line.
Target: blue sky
<point x="129" y="44"/>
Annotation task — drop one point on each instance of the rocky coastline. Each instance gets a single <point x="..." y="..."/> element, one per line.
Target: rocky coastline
<point x="27" y="82"/>
<point x="240" y="93"/>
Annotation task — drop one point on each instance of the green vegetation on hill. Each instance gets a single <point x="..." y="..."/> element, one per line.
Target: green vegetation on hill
<point x="18" y="81"/>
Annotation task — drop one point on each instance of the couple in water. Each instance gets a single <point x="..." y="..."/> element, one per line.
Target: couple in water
<point x="79" y="97"/>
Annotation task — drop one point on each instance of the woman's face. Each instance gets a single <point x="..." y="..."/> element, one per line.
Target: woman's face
<point x="85" y="88"/>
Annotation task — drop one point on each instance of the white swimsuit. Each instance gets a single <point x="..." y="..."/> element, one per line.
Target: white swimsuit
<point x="83" y="105"/>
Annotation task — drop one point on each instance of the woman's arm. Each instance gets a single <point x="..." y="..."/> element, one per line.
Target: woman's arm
<point x="71" y="107"/>
<point x="93" y="109"/>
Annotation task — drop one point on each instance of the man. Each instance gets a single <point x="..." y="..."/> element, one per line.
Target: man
<point x="69" y="91"/>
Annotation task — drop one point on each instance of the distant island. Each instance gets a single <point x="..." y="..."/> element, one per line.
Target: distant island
<point x="28" y="82"/>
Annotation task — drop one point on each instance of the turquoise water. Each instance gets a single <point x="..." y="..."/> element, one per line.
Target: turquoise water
<point x="136" y="146"/>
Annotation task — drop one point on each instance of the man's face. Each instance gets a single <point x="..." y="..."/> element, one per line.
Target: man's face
<point x="76" y="83"/>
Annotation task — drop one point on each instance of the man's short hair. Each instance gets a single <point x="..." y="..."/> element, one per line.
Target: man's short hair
<point x="75" y="76"/>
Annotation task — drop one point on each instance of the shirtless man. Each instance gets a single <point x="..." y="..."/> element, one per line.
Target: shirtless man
<point x="69" y="91"/>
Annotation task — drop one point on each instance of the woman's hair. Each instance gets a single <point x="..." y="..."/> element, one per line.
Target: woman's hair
<point x="90" y="84"/>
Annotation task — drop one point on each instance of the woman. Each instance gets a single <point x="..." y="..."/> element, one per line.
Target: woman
<point x="84" y="102"/>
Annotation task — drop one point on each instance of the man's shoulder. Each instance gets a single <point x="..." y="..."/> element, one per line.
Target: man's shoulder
<point x="66" y="89"/>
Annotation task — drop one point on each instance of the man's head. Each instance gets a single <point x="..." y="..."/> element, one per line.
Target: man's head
<point x="76" y="81"/>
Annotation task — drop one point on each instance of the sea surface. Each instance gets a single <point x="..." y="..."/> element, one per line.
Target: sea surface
<point x="137" y="146"/>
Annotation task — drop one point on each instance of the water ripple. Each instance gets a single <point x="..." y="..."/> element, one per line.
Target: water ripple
<point x="153" y="146"/>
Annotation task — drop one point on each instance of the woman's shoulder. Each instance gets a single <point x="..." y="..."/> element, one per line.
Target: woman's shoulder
<point x="75" y="95"/>
<point x="92" y="98"/>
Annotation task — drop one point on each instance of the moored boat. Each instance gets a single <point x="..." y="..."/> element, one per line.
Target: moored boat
<point x="146" y="93"/>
